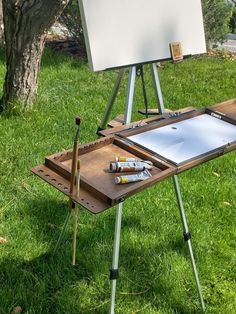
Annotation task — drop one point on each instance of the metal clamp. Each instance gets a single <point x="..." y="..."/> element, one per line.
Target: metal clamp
<point x="114" y="274"/>
<point x="187" y="236"/>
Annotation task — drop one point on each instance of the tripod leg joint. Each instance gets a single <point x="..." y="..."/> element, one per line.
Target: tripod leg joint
<point x="114" y="274"/>
<point x="187" y="236"/>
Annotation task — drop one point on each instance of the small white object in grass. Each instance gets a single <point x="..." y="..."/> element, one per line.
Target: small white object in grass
<point x="18" y="309"/>
<point x="3" y="240"/>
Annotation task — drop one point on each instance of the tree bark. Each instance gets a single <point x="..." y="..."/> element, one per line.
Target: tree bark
<point x="26" y="23"/>
<point x="1" y="25"/>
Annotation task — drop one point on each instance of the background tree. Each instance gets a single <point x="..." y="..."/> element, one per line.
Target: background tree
<point x="232" y="22"/>
<point x="216" y="15"/>
<point x="26" y="23"/>
<point x="70" y="17"/>
<point x="1" y="25"/>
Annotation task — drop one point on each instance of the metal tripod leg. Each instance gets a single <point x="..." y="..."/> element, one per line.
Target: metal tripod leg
<point x="157" y="87"/>
<point x="112" y="100"/>
<point x="63" y="231"/>
<point x="187" y="238"/>
<point x="130" y="95"/>
<point x="114" y="273"/>
<point x="187" y="235"/>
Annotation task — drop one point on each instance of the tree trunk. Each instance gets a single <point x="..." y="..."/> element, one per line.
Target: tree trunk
<point x="25" y="23"/>
<point x="1" y="25"/>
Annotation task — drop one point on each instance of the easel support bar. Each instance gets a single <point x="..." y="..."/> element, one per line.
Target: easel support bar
<point x="157" y="88"/>
<point x="130" y="95"/>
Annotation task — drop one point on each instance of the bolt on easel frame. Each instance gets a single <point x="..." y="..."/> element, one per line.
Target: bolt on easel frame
<point x="114" y="273"/>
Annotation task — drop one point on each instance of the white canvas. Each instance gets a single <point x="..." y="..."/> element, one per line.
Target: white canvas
<point x="182" y="141"/>
<point x="127" y="32"/>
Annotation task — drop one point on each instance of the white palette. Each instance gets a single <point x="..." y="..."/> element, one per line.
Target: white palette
<point x="127" y="32"/>
<point x="185" y="140"/>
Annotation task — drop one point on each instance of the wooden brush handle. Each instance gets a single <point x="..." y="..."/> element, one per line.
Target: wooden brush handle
<point x="74" y="168"/>
<point x="75" y="159"/>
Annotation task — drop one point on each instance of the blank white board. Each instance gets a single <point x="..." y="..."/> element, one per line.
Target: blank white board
<point x="127" y="32"/>
<point x="185" y="140"/>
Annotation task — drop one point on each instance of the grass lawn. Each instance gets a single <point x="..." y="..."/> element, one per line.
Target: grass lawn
<point x="155" y="269"/>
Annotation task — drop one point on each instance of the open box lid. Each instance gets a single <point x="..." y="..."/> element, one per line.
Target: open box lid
<point x="188" y="139"/>
<point x="226" y="109"/>
<point x="185" y="139"/>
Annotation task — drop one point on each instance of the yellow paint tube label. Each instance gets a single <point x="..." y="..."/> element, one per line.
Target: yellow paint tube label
<point x="144" y="175"/>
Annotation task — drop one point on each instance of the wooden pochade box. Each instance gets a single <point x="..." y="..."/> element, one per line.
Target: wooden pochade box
<point x="97" y="188"/>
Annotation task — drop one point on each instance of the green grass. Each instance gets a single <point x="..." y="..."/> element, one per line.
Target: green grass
<point x="155" y="269"/>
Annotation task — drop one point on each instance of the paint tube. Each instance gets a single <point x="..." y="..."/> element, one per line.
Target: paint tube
<point x="131" y="159"/>
<point x="144" y="175"/>
<point x="130" y="166"/>
<point x="125" y="159"/>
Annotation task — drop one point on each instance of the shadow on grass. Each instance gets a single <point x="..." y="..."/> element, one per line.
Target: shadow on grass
<point x="43" y="283"/>
<point x="54" y="59"/>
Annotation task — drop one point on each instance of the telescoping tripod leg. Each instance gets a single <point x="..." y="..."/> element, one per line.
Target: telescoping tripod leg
<point x="130" y="95"/>
<point x="187" y="238"/>
<point x="114" y="272"/>
<point x="187" y="235"/>
<point x="157" y="88"/>
<point x="68" y="216"/>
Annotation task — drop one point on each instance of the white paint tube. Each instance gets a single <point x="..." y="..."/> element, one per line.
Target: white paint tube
<point x="144" y="175"/>
<point x="130" y="166"/>
<point x="125" y="159"/>
<point x="131" y="159"/>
